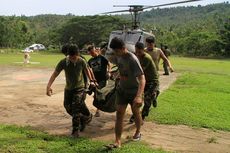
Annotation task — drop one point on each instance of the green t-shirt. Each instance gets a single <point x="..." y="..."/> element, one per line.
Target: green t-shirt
<point x="73" y="72"/>
<point x="155" y="54"/>
<point x="129" y="68"/>
<point x="149" y="68"/>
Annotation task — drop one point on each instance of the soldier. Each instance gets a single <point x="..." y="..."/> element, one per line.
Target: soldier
<point x="103" y="47"/>
<point x="152" y="80"/>
<point x="156" y="53"/>
<point x="100" y="67"/>
<point x="73" y="65"/>
<point x="166" y="52"/>
<point x="130" y="89"/>
<point x="64" y="50"/>
<point x="26" y="57"/>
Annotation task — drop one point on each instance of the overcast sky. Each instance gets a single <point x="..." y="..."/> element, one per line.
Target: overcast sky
<point x="78" y="7"/>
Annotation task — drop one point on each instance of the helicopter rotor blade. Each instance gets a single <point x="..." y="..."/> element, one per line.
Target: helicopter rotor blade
<point x="133" y="8"/>
<point x="137" y="8"/>
<point x="174" y="3"/>
<point x="116" y="11"/>
<point x="121" y="5"/>
<point x="129" y="5"/>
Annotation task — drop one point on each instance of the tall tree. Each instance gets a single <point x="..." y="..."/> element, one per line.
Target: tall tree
<point x="225" y="36"/>
<point x="90" y="29"/>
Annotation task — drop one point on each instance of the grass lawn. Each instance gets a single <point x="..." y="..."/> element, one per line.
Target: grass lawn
<point x="200" y="97"/>
<point x="210" y="66"/>
<point x="24" y="140"/>
<point x="44" y="59"/>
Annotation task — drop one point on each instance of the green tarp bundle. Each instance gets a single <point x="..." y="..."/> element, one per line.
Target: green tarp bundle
<point x="104" y="99"/>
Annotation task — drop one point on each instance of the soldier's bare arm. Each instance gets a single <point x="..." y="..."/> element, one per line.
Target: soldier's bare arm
<point x="51" y="80"/>
<point x="166" y="60"/>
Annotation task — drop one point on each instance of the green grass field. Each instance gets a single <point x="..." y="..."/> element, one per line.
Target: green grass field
<point x="44" y="59"/>
<point x="24" y="140"/>
<point x="199" y="98"/>
<point x="208" y="66"/>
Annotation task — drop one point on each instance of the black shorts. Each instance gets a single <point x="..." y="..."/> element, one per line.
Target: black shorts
<point x="124" y="97"/>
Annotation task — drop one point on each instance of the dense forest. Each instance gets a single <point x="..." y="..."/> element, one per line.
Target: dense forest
<point x="193" y="31"/>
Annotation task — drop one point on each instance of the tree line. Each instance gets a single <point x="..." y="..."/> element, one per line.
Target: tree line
<point x="193" y="31"/>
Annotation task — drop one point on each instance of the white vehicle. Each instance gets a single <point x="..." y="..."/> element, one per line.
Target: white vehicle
<point x="27" y="50"/>
<point x="34" y="47"/>
<point x="37" y="47"/>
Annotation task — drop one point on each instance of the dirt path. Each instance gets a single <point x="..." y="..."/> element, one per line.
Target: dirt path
<point x="23" y="102"/>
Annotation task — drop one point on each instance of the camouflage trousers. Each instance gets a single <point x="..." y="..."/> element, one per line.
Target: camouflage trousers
<point x="74" y="103"/>
<point x="149" y="97"/>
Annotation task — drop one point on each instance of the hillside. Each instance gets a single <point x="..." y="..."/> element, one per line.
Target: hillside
<point x="181" y="15"/>
<point x="195" y="31"/>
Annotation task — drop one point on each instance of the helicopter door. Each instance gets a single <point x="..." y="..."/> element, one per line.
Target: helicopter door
<point x="109" y="54"/>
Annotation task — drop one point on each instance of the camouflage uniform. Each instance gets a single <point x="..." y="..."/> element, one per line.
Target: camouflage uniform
<point x="74" y="103"/>
<point x="74" y="95"/>
<point x="165" y="65"/>
<point x="150" y="98"/>
<point x="151" y="86"/>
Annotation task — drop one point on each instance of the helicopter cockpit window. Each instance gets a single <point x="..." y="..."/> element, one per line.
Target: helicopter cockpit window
<point x="118" y="34"/>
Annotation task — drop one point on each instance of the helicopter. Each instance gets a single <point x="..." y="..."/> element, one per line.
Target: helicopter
<point x="136" y="33"/>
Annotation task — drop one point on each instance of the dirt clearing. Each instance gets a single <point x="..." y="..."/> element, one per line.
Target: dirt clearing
<point x="23" y="102"/>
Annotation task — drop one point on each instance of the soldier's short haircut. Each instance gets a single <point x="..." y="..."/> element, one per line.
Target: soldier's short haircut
<point x="117" y="43"/>
<point x="65" y="49"/>
<point x="90" y="47"/>
<point x="150" y="39"/>
<point x="73" y="50"/>
<point x="139" y="45"/>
